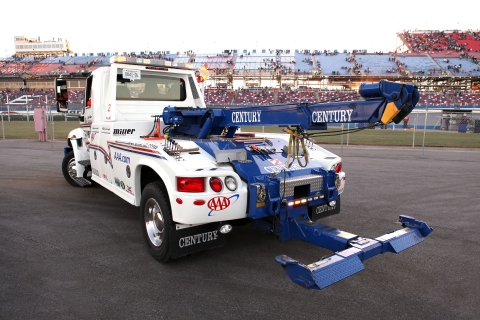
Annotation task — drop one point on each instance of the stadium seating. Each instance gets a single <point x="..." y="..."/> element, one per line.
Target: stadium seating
<point x="376" y="64"/>
<point x="183" y="58"/>
<point x="53" y="68"/>
<point x="419" y="65"/>
<point x="37" y="68"/>
<point x="255" y="61"/>
<point x="463" y="99"/>
<point x="333" y="96"/>
<point x="433" y="99"/>
<point x="303" y="62"/>
<point x="103" y="60"/>
<point x="244" y="97"/>
<point x="334" y="63"/>
<point x="255" y="97"/>
<point x="443" y="43"/>
<point x="431" y="41"/>
<point x="214" y="61"/>
<point x="449" y="99"/>
<point x="14" y="68"/>
<point x="268" y="63"/>
<point x="297" y="96"/>
<point x="55" y="59"/>
<point x="218" y="97"/>
<point x="27" y="59"/>
<point x="470" y="39"/>
<point x="82" y="60"/>
<point x="459" y="66"/>
<point x="287" y="62"/>
<point x="38" y="98"/>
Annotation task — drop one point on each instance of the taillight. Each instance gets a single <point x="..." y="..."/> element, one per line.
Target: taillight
<point x="190" y="184"/>
<point x="216" y="184"/>
<point x="338" y="168"/>
<point x="231" y="183"/>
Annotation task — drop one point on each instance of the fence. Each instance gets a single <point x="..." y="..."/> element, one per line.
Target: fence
<point x="425" y="129"/>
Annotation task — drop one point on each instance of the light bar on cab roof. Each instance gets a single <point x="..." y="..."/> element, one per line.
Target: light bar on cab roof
<point x="150" y="62"/>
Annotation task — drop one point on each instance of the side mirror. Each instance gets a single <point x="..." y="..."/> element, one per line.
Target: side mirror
<point x="61" y="94"/>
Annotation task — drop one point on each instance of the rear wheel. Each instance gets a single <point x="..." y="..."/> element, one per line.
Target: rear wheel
<point x="68" y="169"/>
<point x="156" y="220"/>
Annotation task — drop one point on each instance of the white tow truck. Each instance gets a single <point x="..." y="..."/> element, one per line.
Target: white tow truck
<point x="147" y="136"/>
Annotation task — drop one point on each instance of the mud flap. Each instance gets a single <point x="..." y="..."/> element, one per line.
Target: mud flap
<point x="195" y="239"/>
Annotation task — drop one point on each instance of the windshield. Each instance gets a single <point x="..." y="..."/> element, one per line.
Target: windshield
<point x="150" y="86"/>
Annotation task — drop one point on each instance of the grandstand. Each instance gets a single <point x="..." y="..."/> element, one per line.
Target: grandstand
<point x="443" y="64"/>
<point x="443" y="43"/>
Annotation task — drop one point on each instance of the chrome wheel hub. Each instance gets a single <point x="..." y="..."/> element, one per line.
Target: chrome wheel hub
<point x="72" y="171"/>
<point x="154" y="223"/>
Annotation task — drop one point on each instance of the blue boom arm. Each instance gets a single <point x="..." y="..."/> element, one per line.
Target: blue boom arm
<point x="383" y="102"/>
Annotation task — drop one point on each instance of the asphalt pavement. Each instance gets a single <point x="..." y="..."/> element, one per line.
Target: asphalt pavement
<point x="78" y="253"/>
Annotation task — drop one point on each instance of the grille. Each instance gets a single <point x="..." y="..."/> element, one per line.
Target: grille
<point x="314" y="180"/>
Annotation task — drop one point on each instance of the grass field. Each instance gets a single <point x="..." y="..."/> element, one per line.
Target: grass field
<point x="26" y="129"/>
<point x="377" y="137"/>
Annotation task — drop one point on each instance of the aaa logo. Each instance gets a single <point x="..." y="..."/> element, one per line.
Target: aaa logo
<point x="218" y="203"/>
<point x="221" y="203"/>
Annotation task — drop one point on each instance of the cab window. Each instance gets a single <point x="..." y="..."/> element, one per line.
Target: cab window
<point x="151" y="87"/>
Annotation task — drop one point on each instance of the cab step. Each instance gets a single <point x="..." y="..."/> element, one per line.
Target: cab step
<point x="83" y="182"/>
<point x="84" y="162"/>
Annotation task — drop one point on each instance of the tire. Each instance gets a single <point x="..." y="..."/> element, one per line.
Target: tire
<point x="156" y="221"/>
<point x="69" y="173"/>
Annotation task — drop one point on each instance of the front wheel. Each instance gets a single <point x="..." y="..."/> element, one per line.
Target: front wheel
<point x="68" y="169"/>
<point x="156" y="221"/>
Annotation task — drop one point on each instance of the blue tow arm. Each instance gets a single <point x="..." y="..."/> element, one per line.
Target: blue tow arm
<point x="347" y="262"/>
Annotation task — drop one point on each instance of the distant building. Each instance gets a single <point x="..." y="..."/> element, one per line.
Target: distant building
<point x="33" y="46"/>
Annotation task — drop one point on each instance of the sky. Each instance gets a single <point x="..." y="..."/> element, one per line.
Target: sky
<point x="211" y="26"/>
